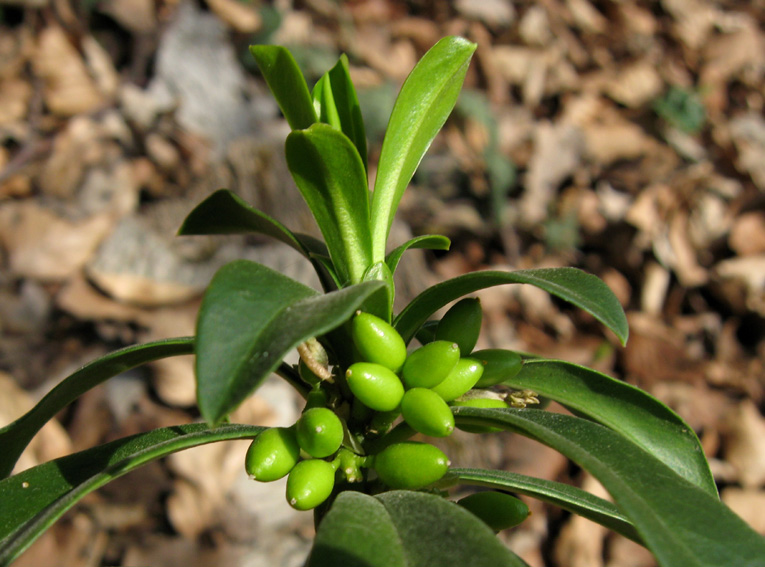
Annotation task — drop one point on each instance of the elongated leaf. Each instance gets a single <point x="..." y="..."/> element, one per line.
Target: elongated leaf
<point x="348" y="107"/>
<point x="581" y="289"/>
<point x="426" y="99"/>
<point x="286" y="83"/>
<point x="426" y="241"/>
<point x="683" y="525"/>
<point x="16" y="436"/>
<point x="224" y="212"/>
<point x="32" y="500"/>
<point x="250" y="318"/>
<point x="625" y="409"/>
<point x="330" y="175"/>
<point x="564" y="496"/>
<point x="324" y="102"/>
<point x="381" y="303"/>
<point x="405" y="529"/>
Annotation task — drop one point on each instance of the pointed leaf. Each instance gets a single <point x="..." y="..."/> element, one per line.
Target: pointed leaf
<point x="564" y="496"/>
<point x="250" y="318"/>
<point x="16" y="436"/>
<point x="348" y="107"/>
<point x="581" y="289"/>
<point x="683" y="525"/>
<point x="628" y="410"/>
<point x="34" y="499"/>
<point x="426" y="99"/>
<point x="324" y="102"/>
<point x="330" y="175"/>
<point x="287" y="84"/>
<point x="426" y="241"/>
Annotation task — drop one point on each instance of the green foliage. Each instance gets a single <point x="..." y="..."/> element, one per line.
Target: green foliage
<point x="358" y="378"/>
<point x="682" y="109"/>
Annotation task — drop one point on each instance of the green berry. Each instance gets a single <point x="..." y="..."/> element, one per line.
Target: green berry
<point x="429" y="365"/>
<point x="464" y="376"/>
<point x="377" y="341"/>
<point x="319" y="432"/>
<point x="427" y="413"/>
<point x="496" y="509"/>
<point x="499" y="365"/>
<point x="479" y="402"/>
<point x="461" y="324"/>
<point x="410" y="465"/>
<point x="376" y="386"/>
<point x="272" y="454"/>
<point x="310" y="483"/>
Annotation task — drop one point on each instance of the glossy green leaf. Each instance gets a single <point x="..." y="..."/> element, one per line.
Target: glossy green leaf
<point x="287" y="84"/>
<point x="683" y="525"/>
<point x="16" y="436"/>
<point x="34" y="499"/>
<point x="348" y="107"/>
<point x="564" y="496"/>
<point x="426" y="99"/>
<point x="426" y="241"/>
<point x="381" y="303"/>
<point x="628" y="410"/>
<point x="324" y="102"/>
<point x="579" y="288"/>
<point x="250" y="318"/>
<point x="330" y="175"/>
<point x="225" y="212"/>
<point x="405" y="529"/>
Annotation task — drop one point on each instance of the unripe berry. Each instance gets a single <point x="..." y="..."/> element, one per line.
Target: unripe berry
<point x="429" y="365"/>
<point x="497" y="509"/>
<point x="464" y="376"/>
<point x="410" y="465"/>
<point x="375" y="386"/>
<point x="319" y="432"/>
<point x="377" y="341"/>
<point x="499" y="365"/>
<point x="479" y="402"/>
<point x="272" y="454"/>
<point x="310" y="483"/>
<point x="461" y="324"/>
<point x="427" y="413"/>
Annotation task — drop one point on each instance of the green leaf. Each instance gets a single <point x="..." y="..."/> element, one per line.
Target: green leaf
<point x="34" y="499"/>
<point x="381" y="303"/>
<point x="16" y="436"/>
<point x="287" y="84"/>
<point x="405" y="529"/>
<point x="357" y="532"/>
<point x="625" y="409"/>
<point x="426" y="99"/>
<point x="250" y="318"/>
<point x="348" y="107"/>
<point x="224" y="212"/>
<point x="581" y="289"/>
<point x="330" y="175"/>
<point x="426" y="241"/>
<point x="324" y="102"/>
<point x="564" y="496"/>
<point x="683" y="525"/>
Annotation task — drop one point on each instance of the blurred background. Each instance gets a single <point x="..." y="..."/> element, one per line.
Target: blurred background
<point x="623" y="137"/>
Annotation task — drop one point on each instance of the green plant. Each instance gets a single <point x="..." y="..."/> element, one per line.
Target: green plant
<point x="368" y="505"/>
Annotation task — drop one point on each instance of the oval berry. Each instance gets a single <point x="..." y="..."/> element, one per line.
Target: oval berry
<point x="310" y="483"/>
<point x="496" y="509"/>
<point x="375" y="386"/>
<point x="499" y="365"/>
<point x="377" y="341"/>
<point x="464" y="376"/>
<point x="272" y="454"/>
<point x="319" y="432"/>
<point x="479" y="402"/>
<point x="410" y="465"/>
<point x="427" y="413"/>
<point x="429" y="365"/>
<point x="461" y="324"/>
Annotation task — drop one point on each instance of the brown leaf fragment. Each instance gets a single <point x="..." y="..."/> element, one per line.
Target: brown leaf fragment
<point x="749" y="503"/>
<point x="744" y="444"/>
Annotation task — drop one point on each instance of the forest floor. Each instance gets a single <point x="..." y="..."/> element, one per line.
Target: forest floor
<point x="625" y="138"/>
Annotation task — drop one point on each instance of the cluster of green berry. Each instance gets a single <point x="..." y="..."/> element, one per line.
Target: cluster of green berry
<point x="384" y="384"/>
